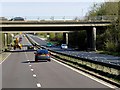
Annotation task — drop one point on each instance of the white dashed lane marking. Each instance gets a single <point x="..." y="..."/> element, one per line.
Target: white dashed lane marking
<point x="30" y="65"/>
<point x="38" y="85"/>
<point x="32" y="69"/>
<point x="34" y="75"/>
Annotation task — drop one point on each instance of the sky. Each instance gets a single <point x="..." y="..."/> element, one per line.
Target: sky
<point x="46" y="8"/>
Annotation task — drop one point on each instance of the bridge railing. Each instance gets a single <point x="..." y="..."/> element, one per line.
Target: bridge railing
<point x="101" y="18"/>
<point x="64" y="18"/>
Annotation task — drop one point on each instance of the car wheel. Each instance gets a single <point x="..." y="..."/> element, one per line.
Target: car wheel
<point x="49" y="60"/>
<point x="36" y="60"/>
<point x="14" y="47"/>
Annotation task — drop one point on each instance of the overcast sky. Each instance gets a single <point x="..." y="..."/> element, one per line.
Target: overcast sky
<point x="46" y="8"/>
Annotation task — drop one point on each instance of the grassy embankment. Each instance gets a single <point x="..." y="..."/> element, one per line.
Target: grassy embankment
<point x="109" y="53"/>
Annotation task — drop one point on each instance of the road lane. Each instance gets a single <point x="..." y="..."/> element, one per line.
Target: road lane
<point x="54" y="75"/>
<point x="16" y="73"/>
<point x="110" y="59"/>
<point x="21" y="71"/>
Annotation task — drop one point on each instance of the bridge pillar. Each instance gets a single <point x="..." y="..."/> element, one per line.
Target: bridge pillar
<point x="65" y="38"/>
<point x="91" y="39"/>
<point x="5" y="39"/>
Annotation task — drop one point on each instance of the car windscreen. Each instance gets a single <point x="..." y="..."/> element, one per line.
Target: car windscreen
<point x="42" y="51"/>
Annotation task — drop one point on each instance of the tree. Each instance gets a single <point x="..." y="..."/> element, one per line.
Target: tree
<point x="110" y="39"/>
<point x="52" y="36"/>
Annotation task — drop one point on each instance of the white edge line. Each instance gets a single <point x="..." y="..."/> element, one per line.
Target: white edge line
<point x="89" y="76"/>
<point x="5" y="58"/>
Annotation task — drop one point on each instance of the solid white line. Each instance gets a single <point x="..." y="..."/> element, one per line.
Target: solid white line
<point x="89" y="76"/>
<point x="38" y="85"/>
<point x="5" y="58"/>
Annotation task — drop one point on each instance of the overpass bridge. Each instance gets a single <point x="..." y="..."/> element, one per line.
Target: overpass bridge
<point x="80" y="25"/>
<point x="57" y="26"/>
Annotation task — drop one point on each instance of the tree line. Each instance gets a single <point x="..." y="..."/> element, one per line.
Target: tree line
<point x="108" y="40"/>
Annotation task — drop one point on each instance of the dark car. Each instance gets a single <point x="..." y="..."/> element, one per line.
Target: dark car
<point x="30" y="47"/>
<point x="17" y="19"/>
<point x="42" y="55"/>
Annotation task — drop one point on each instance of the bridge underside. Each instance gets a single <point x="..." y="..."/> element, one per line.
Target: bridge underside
<point x="90" y="32"/>
<point x="47" y="29"/>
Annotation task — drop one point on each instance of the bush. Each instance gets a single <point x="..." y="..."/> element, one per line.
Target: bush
<point x="110" y="46"/>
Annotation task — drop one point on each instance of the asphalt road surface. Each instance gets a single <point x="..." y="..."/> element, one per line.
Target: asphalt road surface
<point x="82" y="54"/>
<point x="20" y="70"/>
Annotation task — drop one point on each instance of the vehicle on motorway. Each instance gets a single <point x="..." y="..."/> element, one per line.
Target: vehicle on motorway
<point x="17" y="44"/>
<point x="17" y="19"/>
<point x="3" y="19"/>
<point x="64" y="46"/>
<point x="49" y="44"/>
<point x="42" y="55"/>
<point x="30" y="47"/>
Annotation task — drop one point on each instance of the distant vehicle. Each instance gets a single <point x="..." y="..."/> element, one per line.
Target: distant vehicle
<point x="30" y="47"/>
<point x="49" y="44"/>
<point x="64" y="46"/>
<point x="42" y="55"/>
<point x="17" y="44"/>
<point x="17" y="19"/>
<point x="3" y="19"/>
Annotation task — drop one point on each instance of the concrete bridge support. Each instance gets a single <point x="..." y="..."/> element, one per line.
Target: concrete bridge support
<point x="91" y="39"/>
<point x="65" y="38"/>
<point x="5" y="39"/>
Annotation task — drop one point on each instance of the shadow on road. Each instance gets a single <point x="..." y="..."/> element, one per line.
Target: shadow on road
<point x="20" y="51"/>
<point x="63" y="50"/>
<point x="34" y="61"/>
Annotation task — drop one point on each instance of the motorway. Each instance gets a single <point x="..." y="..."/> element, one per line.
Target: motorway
<point x="20" y="70"/>
<point x="115" y="60"/>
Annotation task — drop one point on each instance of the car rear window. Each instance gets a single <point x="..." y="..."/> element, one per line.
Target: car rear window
<point x="42" y="51"/>
<point x="64" y="45"/>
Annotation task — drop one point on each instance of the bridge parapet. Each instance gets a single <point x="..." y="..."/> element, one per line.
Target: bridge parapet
<point x="62" y="18"/>
<point x="55" y="22"/>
